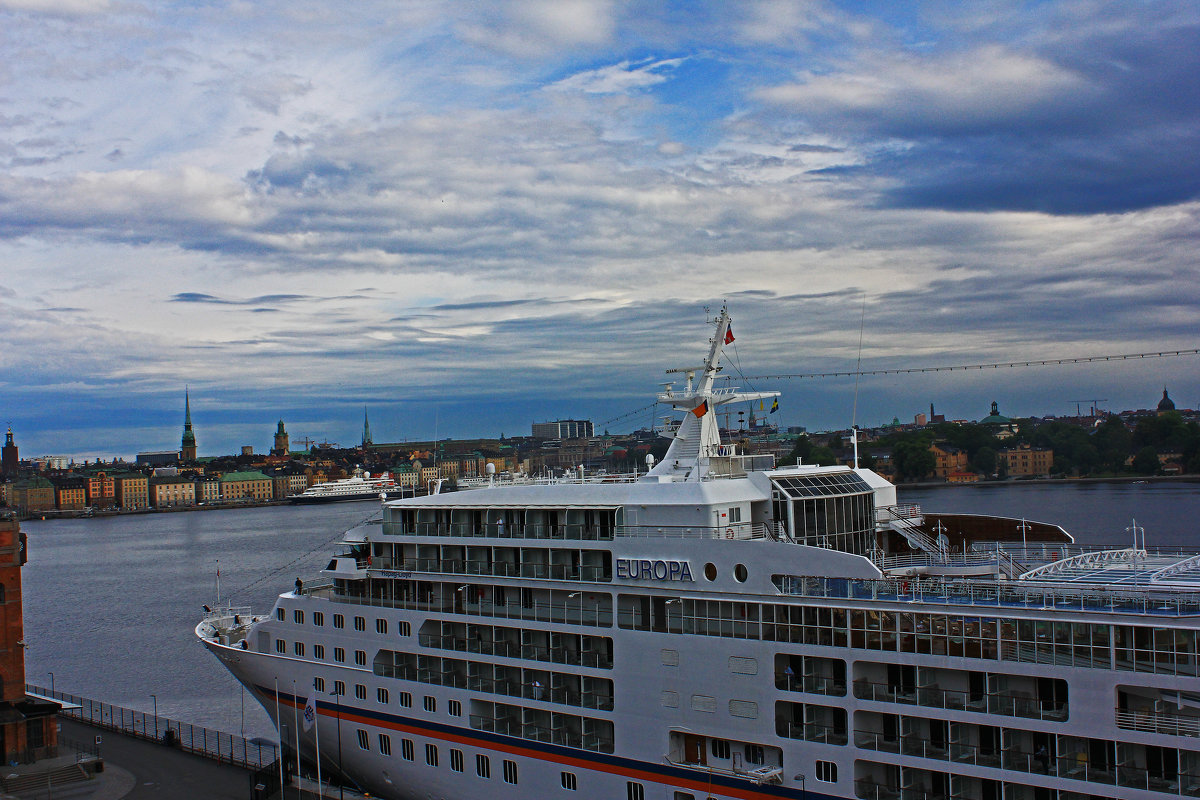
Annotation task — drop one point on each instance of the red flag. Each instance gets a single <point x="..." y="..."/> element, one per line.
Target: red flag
<point x="729" y="335"/>
<point x="701" y="409"/>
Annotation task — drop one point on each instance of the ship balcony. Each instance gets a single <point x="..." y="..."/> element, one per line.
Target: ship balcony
<point x="812" y="732"/>
<point x="811" y="684"/>
<point x="527" y="652"/>
<point x="1159" y="722"/>
<point x="1009" y="704"/>
<point x="737" y="530"/>
<point x="504" y="569"/>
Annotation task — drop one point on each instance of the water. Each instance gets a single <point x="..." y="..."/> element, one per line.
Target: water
<point x="1093" y="513"/>
<point x="110" y="603"/>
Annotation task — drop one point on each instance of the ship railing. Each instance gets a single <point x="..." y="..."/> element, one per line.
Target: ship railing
<point x="909" y="511"/>
<point x="568" y="613"/>
<point x="1009" y="704"/>
<point x="229" y="611"/>
<point x="496" y="531"/>
<point x="737" y="530"/>
<point x="812" y="732"/>
<point x="1158" y="722"/>
<point x="505" y="569"/>
<point x="999" y="594"/>
<point x="526" y="652"/>
<point x="510" y="725"/>
<point x="811" y="684"/>
<point x="925" y="559"/>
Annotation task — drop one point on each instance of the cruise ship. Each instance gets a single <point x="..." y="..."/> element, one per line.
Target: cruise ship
<point x="357" y="487"/>
<point x="721" y="626"/>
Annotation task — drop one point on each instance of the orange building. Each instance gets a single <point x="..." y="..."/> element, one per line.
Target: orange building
<point x="949" y="459"/>
<point x="1028" y="460"/>
<point x="70" y="494"/>
<point x="28" y="727"/>
<point x="101" y="490"/>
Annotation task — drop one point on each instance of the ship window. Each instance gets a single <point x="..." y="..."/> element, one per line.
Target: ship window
<point x="754" y="754"/>
<point x="298" y="648"/>
<point x="735" y="514"/>
<point x="406" y="699"/>
<point x="634" y="791"/>
<point x="827" y="772"/>
<point x="740" y="574"/>
<point x="404" y="628"/>
<point x="298" y="616"/>
<point x="318" y="619"/>
<point x="430" y="704"/>
<point x="483" y="766"/>
<point x="385" y="744"/>
<point x="360" y="691"/>
<point x="360" y="623"/>
<point x="280" y="646"/>
<point x="406" y="749"/>
<point x="339" y="688"/>
<point x="364" y="743"/>
<point x="360" y="657"/>
<point x="456" y="760"/>
<point x="279" y="614"/>
<point x="339" y="654"/>
<point x="431" y="755"/>
<point x="684" y="796"/>
<point x="720" y="748"/>
<point x="510" y="771"/>
<point x="381" y="626"/>
<point x="319" y="652"/>
<point x="710" y="571"/>
<point x="455" y="708"/>
<point x="568" y="780"/>
<point x="319" y="683"/>
<point x="339" y="621"/>
<point x="381" y="695"/>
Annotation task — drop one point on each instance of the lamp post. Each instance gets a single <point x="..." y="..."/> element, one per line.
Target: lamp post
<point x="155" y="699"/>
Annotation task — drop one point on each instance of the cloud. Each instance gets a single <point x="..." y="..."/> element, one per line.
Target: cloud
<point x="534" y="28"/>
<point x="618" y="78"/>
<point x="63" y="7"/>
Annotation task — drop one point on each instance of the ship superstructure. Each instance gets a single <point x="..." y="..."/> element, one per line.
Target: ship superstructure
<point x="724" y="627"/>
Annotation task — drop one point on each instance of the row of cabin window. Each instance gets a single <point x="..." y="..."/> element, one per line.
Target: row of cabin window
<point x="339" y="621"/>
<point x="383" y="696"/>
<point x="483" y="763"/>
<point x="339" y="653"/>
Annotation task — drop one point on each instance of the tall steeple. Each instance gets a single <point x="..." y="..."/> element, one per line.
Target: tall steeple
<point x="366" y="439"/>
<point x="10" y="462"/>
<point x="187" y="446"/>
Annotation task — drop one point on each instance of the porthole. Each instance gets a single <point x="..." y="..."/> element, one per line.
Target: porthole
<point x="740" y="574"/>
<point x="710" y="571"/>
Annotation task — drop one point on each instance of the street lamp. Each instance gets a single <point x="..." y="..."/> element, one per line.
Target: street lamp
<point x="155" y="699"/>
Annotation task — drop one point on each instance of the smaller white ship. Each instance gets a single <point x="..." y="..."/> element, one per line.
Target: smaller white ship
<point x="362" y="487"/>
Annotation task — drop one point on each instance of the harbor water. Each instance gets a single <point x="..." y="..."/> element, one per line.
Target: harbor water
<point x="111" y="603"/>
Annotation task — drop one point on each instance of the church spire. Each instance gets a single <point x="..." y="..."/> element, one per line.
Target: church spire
<point x="366" y="437"/>
<point x="187" y="445"/>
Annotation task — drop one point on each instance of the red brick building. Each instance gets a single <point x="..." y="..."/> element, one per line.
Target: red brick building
<point x="28" y="727"/>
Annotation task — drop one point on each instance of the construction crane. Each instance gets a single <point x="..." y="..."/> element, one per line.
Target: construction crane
<point x="1095" y="405"/>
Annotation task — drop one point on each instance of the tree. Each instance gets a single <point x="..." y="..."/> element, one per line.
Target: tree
<point x="1146" y="461"/>
<point x="985" y="461"/>
<point x="913" y="459"/>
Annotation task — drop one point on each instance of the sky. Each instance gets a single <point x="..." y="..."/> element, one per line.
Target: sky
<point x="463" y="218"/>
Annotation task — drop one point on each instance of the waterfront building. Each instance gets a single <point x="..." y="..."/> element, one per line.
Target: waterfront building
<point x="1026" y="460"/>
<point x="563" y="429"/>
<point x="948" y="459"/>
<point x="70" y="493"/>
<point x="281" y="441"/>
<point x="208" y="489"/>
<point x="101" y="490"/>
<point x="172" y="491"/>
<point x="132" y="491"/>
<point x="246" y="485"/>
<point x="28" y="726"/>
<point x="33" y="494"/>
<point x="10" y="462"/>
<point x="187" y="445"/>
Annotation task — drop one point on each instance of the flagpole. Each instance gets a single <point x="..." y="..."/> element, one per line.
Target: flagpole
<point x="317" y="745"/>
<point x="279" y="731"/>
<point x="218" y="582"/>
<point x="296" y="723"/>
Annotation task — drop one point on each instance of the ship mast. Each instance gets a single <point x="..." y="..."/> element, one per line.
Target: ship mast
<point x="698" y="436"/>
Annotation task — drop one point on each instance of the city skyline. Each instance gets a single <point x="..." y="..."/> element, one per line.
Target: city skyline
<point x="471" y="217"/>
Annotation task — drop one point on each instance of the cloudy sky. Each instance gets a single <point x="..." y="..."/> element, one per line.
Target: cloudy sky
<point x="466" y="217"/>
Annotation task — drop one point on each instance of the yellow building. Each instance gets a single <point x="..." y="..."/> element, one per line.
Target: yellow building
<point x="949" y="460"/>
<point x="132" y="491"/>
<point x="241" y="485"/>
<point x="1027" y="460"/>
<point x="170" y="492"/>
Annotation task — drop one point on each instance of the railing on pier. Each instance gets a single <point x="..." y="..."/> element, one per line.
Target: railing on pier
<point x="223" y="747"/>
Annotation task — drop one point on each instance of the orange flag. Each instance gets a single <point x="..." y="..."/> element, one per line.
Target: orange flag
<point x="701" y="409"/>
<point x="729" y="335"/>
